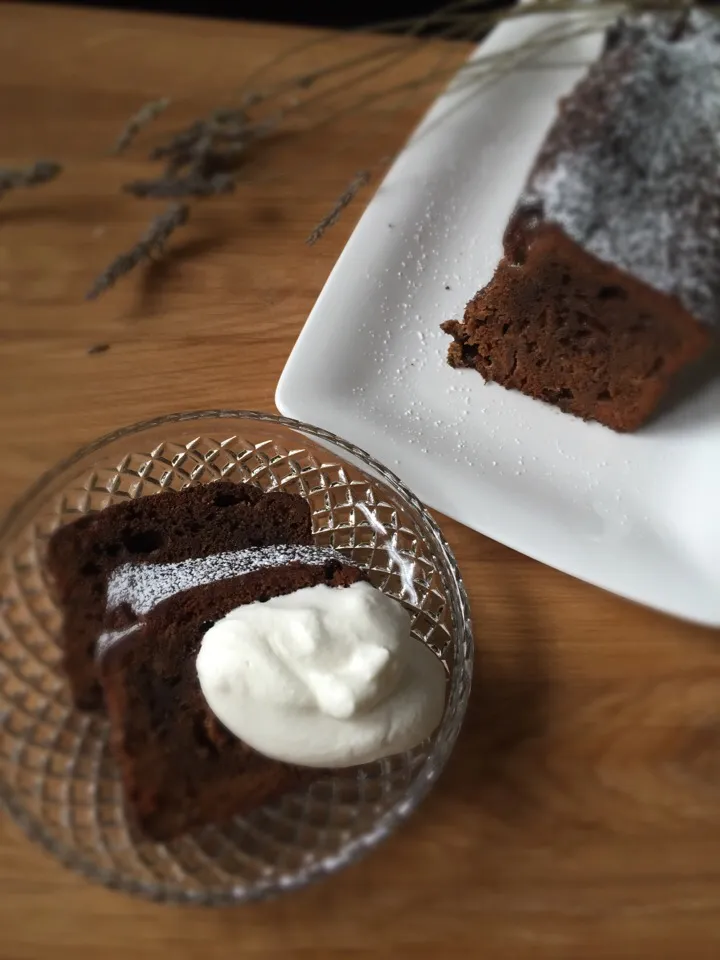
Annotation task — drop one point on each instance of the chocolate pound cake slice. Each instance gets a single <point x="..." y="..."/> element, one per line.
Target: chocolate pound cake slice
<point x="609" y="284"/>
<point x="180" y="767"/>
<point x="163" y="528"/>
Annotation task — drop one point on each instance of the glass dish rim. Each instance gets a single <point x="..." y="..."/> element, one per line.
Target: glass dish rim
<point x="392" y="818"/>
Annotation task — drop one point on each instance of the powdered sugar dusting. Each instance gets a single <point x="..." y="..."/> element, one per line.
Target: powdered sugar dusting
<point x="109" y="637"/>
<point x="143" y="586"/>
<point x="631" y="168"/>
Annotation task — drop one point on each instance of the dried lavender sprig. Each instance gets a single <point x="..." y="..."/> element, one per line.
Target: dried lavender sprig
<point x="450" y="16"/>
<point x="182" y="140"/>
<point x="204" y="137"/>
<point x="146" y="114"/>
<point x="225" y="124"/>
<point x="492" y="66"/>
<point x="193" y="185"/>
<point x="205" y="150"/>
<point x="476" y="21"/>
<point x="360" y="180"/>
<point x="405" y="27"/>
<point x="42" y="171"/>
<point x="206" y="162"/>
<point x="149" y="245"/>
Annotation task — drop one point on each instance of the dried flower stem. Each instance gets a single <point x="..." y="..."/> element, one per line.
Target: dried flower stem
<point x="249" y="92"/>
<point x="397" y="51"/>
<point x="464" y="20"/>
<point x="200" y="160"/>
<point x="193" y="185"/>
<point x="147" y="248"/>
<point x="221" y="124"/>
<point x="42" y="171"/>
<point x="407" y="27"/>
<point x="491" y="66"/>
<point x="360" y="180"/>
<point x="145" y="115"/>
<point x="207" y="148"/>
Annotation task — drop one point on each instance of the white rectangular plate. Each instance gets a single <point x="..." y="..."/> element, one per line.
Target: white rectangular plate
<point x="638" y="515"/>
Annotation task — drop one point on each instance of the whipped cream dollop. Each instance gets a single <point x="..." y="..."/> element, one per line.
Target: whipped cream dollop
<point x="322" y="677"/>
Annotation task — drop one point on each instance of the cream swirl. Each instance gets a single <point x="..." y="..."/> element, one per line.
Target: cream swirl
<point x="322" y="677"/>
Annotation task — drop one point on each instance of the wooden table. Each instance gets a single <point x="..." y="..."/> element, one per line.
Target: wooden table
<point x="580" y="814"/>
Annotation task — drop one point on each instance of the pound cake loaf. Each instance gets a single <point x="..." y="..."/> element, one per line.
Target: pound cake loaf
<point x="164" y="528"/>
<point x="180" y="767"/>
<point x="609" y="283"/>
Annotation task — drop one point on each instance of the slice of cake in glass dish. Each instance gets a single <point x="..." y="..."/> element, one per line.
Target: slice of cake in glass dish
<point x="237" y="660"/>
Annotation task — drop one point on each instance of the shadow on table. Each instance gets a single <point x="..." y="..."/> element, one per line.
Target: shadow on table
<point x="156" y="274"/>
<point x="507" y="714"/>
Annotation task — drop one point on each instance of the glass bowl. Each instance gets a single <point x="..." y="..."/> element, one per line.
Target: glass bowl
<point x="57" y="777"/>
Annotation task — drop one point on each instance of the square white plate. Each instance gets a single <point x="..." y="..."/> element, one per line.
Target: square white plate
<point x="638" y="515"/>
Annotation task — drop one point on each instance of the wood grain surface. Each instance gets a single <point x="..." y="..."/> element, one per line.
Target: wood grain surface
<point x="580" y="814"/>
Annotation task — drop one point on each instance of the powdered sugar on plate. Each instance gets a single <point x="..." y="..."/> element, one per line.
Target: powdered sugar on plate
<point x="598" y="505"/>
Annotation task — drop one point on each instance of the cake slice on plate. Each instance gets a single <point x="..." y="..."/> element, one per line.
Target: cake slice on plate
<point x="610" y="284"/>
